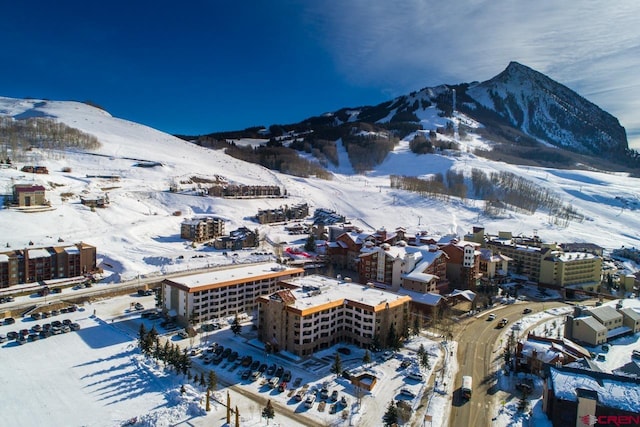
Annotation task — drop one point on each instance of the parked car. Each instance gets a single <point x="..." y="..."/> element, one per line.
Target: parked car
<point x="635" y="354"/>
<point x="255" y="365"/>
<point x="271" y="369"/>
<point x="491" y="317"/>
<point x="279" y="371"/>
<point x="526" y="311"/>
<point x="3" y="338"/>
<point x="75" y="326"/>
<point x="273" y="382"/>
<point x="299" y="395"/>
<point x="247" y="361"/>
<point x="139" y="306"/>
<point x="286" y="376"/>
<point x="246" y="374"/>
<point x="415" y="375"/>
<point x="344" y="350"/>
<point x="12" y="335"/>
<point x="9" y="321"/>
<point x="36" y="316"/>
<point x="233" y="356"/>
<point x="195" y="352"/>
<point x="311" y="398"/>
<point x="255" y="375"/>
<point x="407" y="392"/>
<point x="324" y="393"/>
<point x="334" y="395"/>
<point x="263" y="368"/>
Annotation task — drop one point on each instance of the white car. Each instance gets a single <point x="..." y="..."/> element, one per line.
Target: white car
<point x="415" y="375"/>
<point x="491" y="317"/>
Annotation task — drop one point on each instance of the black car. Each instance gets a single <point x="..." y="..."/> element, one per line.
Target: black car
<point x="344" y="350"/>
<point x="262" y="368"/>
<point x="36" y="316"/>
<point x="279" y="372"/>
<point x="255" y="365"/>
<point x="9" y="321"/>
<point x="12" y="335"/>
<point x="246" y="374"/>
<point x="271" y="369"/>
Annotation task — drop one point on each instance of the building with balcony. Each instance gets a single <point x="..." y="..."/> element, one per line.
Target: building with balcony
<point x="564" y="269"/>
<point x="224" y="292"/>
<point x="315" y="312"/>
<point x="54" y="262"/>
<point x="202" y="229"/>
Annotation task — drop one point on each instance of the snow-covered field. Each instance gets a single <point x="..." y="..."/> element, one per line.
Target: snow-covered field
<point x="139" y="233"/>
<point x="96" y="376"/>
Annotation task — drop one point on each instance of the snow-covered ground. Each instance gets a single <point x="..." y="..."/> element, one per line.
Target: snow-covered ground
<point x="138" y="234"/>
<point x="97" y="377"/>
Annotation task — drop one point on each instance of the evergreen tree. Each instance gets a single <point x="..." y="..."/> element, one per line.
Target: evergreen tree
<point x="416" y="325"/>
<point x="142" y="335"/>
<point x="212" y="381"/>
<point x="366" y="359"/>
<point x="424" y="360"/>
<point x="236" y="327"/>
<point x="310" y="244"/>
<point x="336" y="368"/>
<point x="391" y="416"/>
<point x="268" y="412"/>
<point x="421" y="351"/>
<point x="202" y="381"/>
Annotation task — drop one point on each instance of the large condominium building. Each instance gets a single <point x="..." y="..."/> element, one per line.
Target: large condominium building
<point x="202" y="229"/>
<point x="417" y="269"/>
<point x="571" y="268"/>
<point x="316" y="312"/>
<point x="54" y="262"/>
<point x="222" y="293"/>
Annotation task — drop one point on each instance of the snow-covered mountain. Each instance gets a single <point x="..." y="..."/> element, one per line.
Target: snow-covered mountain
<point x="549" y="111"/>
<point x="139" y="233"/>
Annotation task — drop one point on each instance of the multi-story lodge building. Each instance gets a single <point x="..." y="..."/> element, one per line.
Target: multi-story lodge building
<point x="463" y="264"/>
<point x="571" y="268"/>
<point x="55" y="262"/>
<point x="544" y="263"/>
<point x="202" y="229"/>
<point x="237" y="239"/>
<point x="222" y="293"/>
<point x="315" y="312"/>
<point x="417" y="269"/>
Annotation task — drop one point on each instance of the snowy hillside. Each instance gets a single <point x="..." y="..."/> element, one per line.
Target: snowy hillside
<point x="139" y="232"/>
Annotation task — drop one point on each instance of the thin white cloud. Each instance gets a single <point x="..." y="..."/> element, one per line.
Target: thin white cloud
<point x="591" y="46"/>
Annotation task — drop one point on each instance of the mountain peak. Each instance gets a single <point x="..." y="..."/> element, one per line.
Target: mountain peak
<point x="550" y="111"/>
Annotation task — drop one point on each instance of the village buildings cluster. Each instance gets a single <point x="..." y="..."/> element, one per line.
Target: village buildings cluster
<point x="31" y="265"/>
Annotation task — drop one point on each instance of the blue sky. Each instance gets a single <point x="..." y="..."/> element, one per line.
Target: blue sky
<point x="201" y="66"/>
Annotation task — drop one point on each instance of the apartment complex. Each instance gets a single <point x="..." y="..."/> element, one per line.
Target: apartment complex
<point x="571" y="268"/>
<point x="544" y="263"/>
<point x="202" y="229"/>
<point x="54" y="262"/>
<point x="222" y="293"/>
<point x="417" y="269"/>
<point x="463" y="264"/>
<point x="315" y="312"/>
<point x="283" y="213"/>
